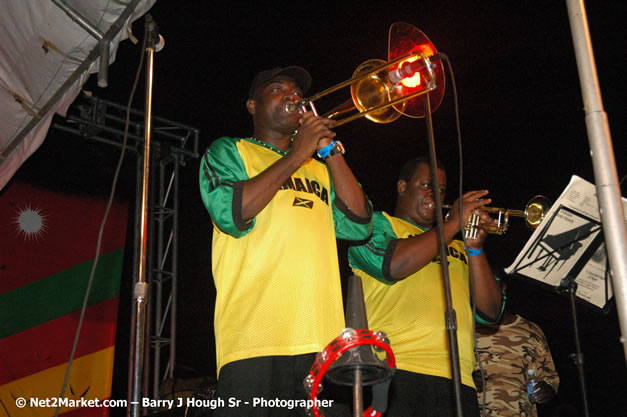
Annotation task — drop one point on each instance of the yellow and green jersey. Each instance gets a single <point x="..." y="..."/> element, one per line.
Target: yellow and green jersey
<point x="276" y="275"/>
<point x="412" y="311"/>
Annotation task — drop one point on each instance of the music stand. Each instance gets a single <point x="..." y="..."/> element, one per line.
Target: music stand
<point x="566" y="252"/>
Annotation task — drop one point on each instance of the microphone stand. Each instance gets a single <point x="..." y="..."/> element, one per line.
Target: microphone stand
<point x="569" y="285"/>
<point x="359" y="366"/>
<point x="140" y="291"/>
<point x="451" y="316"/>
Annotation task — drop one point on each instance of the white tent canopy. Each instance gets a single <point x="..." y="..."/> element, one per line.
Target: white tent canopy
<point x="48" y="50"/>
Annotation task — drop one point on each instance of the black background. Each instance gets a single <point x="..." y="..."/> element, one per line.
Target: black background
<point x="522" y="120"/>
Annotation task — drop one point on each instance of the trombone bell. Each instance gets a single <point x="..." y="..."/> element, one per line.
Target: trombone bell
<point x="372" y="92"/>
<point x="375" y="91"/>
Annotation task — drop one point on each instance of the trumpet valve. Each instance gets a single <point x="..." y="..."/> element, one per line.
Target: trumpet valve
<point x="471" y="229"/>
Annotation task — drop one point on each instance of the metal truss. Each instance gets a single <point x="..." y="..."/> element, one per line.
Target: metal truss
<point x="173" y="145"/>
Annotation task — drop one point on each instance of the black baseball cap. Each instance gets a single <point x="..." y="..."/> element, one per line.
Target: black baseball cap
<point x="299" y="74"/>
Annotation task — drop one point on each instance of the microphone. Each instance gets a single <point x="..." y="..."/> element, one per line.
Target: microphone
<point x="160" y="44"/>
<point x="411" y="68"/>
<point x="152" y="30"/>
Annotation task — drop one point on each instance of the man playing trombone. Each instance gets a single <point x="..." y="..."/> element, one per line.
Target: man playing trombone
<point x="401" y="272"/>
<point x="276" y="212"/>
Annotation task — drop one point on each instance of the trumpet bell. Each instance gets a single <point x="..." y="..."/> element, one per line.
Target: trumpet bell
<point x="536" y="210"/>
<point x="534" y="213"/>
<point x="374" y="91"/>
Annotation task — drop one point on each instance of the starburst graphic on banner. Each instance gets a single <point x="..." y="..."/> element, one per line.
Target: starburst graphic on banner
<point x="30" y="223"/>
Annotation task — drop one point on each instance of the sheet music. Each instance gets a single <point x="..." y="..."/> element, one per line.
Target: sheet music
<point x="568" y="230"/>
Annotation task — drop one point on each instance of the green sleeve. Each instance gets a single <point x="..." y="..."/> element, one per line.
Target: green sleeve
<point x="221" y="176"/>
<point x="374" y="256"/>
<point x="348" y="225"/>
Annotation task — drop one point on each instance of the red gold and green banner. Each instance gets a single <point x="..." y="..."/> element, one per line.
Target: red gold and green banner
<point x="48" y="244"/>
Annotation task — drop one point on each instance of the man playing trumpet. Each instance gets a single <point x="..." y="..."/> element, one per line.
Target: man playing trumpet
<point x="401" y="271"/>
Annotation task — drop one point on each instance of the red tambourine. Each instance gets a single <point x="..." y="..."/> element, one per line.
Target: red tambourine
<point x="348" y="339"/>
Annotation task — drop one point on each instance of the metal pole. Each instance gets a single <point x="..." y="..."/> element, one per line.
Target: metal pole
<point x="358" y="400"/>
<point x="136" y="236"/>
<point x="174" y="283"/>
<point x="141" y="287"/>
<point x="451" y="315"/>
<point x="578" y="355"/>
<point x="605" y="175"/>
<point x="158" y="278"/>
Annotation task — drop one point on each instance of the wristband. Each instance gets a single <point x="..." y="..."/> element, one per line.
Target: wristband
<point x="474" y="252"/>
<point x="324" y="152"/>
<point x="331" y="149"/>
<point x="338" y="148"/>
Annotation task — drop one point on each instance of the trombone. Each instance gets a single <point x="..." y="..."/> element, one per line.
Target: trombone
<point x="535" y="211"/>
<point x="381" y="90"/>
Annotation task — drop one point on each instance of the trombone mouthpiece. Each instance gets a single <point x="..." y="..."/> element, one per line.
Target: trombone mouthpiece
<point x="299" y="107"/>
<point x="432" y="205"/>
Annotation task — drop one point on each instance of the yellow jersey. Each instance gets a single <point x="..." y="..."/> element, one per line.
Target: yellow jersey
<point x="276" y="276"/>
<point x="412" y="311"/>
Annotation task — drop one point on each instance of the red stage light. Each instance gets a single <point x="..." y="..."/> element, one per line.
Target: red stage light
<point x="403" y="40"/>
<point x="414" y="80"/>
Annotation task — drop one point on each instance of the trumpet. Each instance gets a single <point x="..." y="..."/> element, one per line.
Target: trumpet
<point x="534" y="213"/>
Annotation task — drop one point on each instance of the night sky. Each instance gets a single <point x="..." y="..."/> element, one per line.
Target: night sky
<point x="522" y="124"/>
